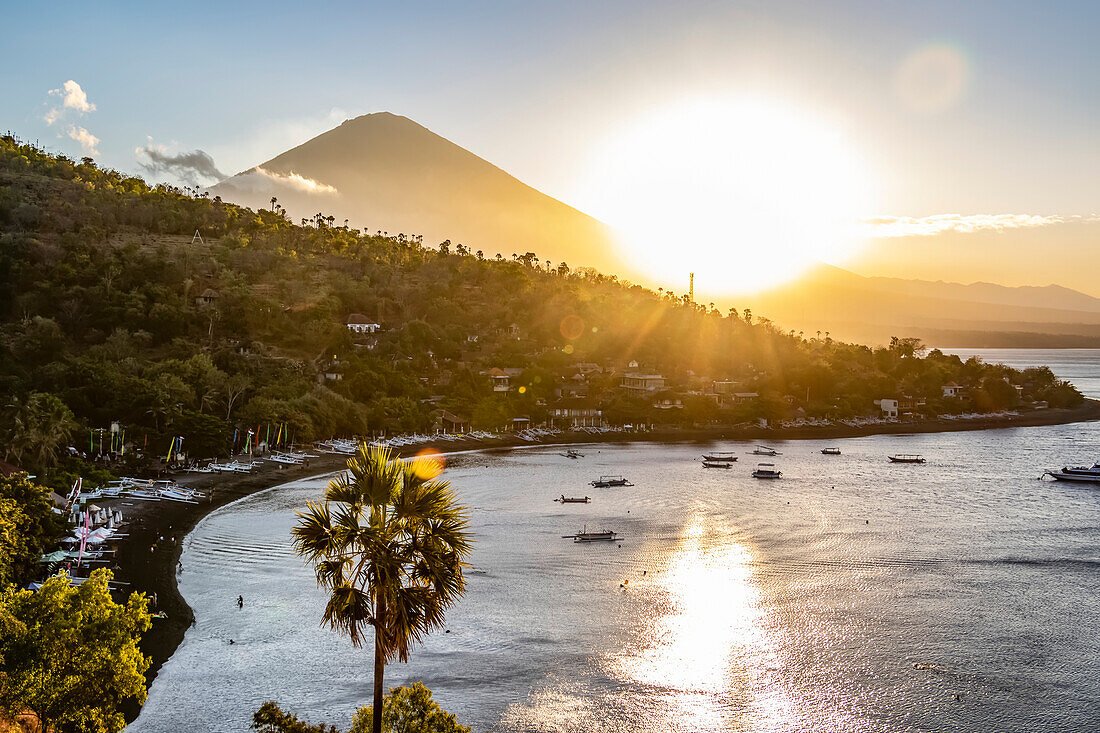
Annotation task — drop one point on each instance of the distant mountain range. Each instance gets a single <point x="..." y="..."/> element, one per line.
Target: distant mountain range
<point x="386" y="172"/>
<point x="872" y="309"/>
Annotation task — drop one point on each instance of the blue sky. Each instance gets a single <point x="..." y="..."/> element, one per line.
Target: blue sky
<point x="537" y="88"/>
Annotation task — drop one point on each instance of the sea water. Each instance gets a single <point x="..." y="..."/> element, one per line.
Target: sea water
<point x="851" y="595"/>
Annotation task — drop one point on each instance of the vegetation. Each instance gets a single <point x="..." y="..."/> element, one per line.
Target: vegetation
<point x="389" y="543"/>
<point x="408" y="709"/>
<point x="112" y="311"/>
<point x="70" y="654"/>
<point x="28" y="528"/>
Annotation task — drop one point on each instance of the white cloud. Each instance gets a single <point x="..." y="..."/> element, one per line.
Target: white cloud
<point x="260" y="179"/>
<point x="87" y="140"/>
<point x="72" y="97"/>
<point x="927" y="226"/>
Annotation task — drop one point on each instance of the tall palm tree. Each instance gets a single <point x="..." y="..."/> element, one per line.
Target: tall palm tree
<point x="389" y="543"/>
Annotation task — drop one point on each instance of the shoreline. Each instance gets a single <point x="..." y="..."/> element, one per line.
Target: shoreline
<point x="146" y="558"/>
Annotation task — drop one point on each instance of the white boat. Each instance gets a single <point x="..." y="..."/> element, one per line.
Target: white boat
<point x="766" y="470"/>
<point x="585" y="536"/>
<point x="763" y="450"/>
<point x="604" y="482"/>
<point x="907" y="458"/>
<point x="720" y="457"/>
<point x="830" y="451"/>
<point x="717" y="464"/>
<point x="1080" y="474"/>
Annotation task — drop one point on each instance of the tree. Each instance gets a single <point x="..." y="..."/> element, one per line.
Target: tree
<point x="389" y="543"/>
<point x="408" y="710"/>
<point x="28" y="526"/>
<point x="270" y="718"/>
<point x="36" y="429"/>
<point x="73" y="658"/>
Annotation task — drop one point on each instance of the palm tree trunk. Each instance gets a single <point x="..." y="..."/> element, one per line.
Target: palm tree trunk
<point x="379" y="670"/>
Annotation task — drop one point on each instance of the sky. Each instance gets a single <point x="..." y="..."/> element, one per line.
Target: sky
<point x="963" y="121"/>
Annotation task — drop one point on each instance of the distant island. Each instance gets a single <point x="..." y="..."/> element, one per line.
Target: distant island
<point x="140" y="321"/>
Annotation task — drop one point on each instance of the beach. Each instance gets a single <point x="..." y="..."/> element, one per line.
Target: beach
<point x="147" y="557"/>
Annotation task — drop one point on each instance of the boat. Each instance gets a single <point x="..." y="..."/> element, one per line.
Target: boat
<point x="572" y="454"/>
<point x="766" y="470"/>
<point x="720" y="457"/>
<point x="585" y="536"/>
<point x="717" y="464"/>
<point x="563" y="499"/>
<point x="1081" y="474"/>
<point x="830" y="451"/>
<point x="907" y="458"/>
<point x="763" y="450"/>
<point x="605" y="481"/>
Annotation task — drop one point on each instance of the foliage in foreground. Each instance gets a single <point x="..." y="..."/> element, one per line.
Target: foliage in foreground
<point x="28" y="527"/>
<point x="406" y="709"/>
<point x="70" y="654"/>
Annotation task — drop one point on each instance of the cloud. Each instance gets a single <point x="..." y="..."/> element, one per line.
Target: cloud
<point x="72" y="97"/>
<point x="87" y="140"/>
<point x="188" y="166"/>
<point x="261" y="179"/>
<point x="928" y="226"/>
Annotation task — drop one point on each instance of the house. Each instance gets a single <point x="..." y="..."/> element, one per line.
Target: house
<point x="574" y="387"/>
<point x="639" y="384"/>
<point x="584" y="368"/>
<point x="448" y="422"/>
<point x="908" y="402"/>
<point x="722" y="387"/>
<point x="742" y="398"/>
<point x="576" y="417"/>
<point x="669" y="404"/>
<point x="358" y="323"/>
<point x="206" y="298"/>
<point x="502" y="382"/>
<point x="952" y="390"/>
<point x="889" y="407"/>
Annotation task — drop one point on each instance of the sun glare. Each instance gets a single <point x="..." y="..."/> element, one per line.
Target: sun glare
<point x="745" y="193"/>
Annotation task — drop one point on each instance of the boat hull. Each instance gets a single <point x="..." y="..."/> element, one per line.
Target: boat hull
<point x="1076" y="477"/>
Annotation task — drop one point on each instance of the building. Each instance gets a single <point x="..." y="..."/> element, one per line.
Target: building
<point x="952" y="390"/>
<point x="502" y="382"/>
<point x="743" y="398"/>
<point x="576" y="417"/>
<point x="448" y="422"/>
<point x="358" y="323"/>
<point x="889" y="407"/>
<point x="639" y="384"/>
<point x="208" y="297"/>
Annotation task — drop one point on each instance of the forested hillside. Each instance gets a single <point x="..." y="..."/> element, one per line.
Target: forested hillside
<point x="113" y="311"/>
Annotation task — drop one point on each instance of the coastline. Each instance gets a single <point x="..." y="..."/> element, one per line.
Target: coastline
<point x="147" y="556"/>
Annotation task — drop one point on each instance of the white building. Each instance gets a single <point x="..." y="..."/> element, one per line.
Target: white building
<point x="642" y="383"/>
<point x="358" y="323"/>
<point x="889" y="407"/>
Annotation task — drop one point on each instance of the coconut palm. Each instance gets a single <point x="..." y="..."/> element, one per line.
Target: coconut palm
<point x="389" y="544"/>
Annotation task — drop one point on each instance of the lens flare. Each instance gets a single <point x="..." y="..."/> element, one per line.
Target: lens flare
<point x="429" y="463"/>
<point x="571" y="327"/>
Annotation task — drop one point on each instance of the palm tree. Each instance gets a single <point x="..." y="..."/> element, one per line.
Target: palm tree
<point x="389" y="543"/>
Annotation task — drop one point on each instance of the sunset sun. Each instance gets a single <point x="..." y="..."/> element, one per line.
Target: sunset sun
<point x="746" y="193"/>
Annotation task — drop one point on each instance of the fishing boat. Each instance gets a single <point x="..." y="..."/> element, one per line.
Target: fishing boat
<point x="766" y="470"/>
<point x="763" y="450"/>
<point x="572" y="454"/>
<point x="830" y="451"/>
<point x="563" y="499"/>
<point x="907" y="458"/>
<point x="585" y="536"/>
<point x="1081" y="474"/>
<point x="717" y="464"/>
<point x="720" y="457"/>
<point x="604" y="482"/>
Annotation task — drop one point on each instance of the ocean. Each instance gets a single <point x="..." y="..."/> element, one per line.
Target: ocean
<point x="851" y="595"/>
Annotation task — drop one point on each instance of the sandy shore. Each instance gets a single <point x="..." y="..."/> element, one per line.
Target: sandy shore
<point x="147" y="557"/>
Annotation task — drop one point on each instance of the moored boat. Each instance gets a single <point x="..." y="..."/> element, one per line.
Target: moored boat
<point x="830" y="451"/>
<point x="563" y="499"/>
<point x="572" y="454"/>
<point x="584" y="535"/>
<point x="763" y="450"/>
<point x="717" y="464"/>
<point x="604" y="482"/>
<point x="1081" y="474"/>
<point x="766" y="470"/>
<point x="907" y="458"/>
<point x="720" y="457"/>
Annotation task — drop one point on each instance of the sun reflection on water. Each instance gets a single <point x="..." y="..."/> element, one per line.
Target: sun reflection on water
<point x="705" y="647"/>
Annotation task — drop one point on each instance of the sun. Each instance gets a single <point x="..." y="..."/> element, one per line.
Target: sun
<point x="745" y="192"/>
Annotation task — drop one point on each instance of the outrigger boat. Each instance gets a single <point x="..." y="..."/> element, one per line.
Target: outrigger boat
<point x="1080" y="474"/>
<point x="763" y="450"/>
<point x="563" y="499"/>
<point x="604" y="482"/>
<point x="830" y="451"/>
<point x="720" y="457"/>
<point x="585" y="536"/>
<point x="907" y="458"/>
<point x="717" y="464"/>
<point x="766" y="470"/>
<point x="572" y="454"/>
